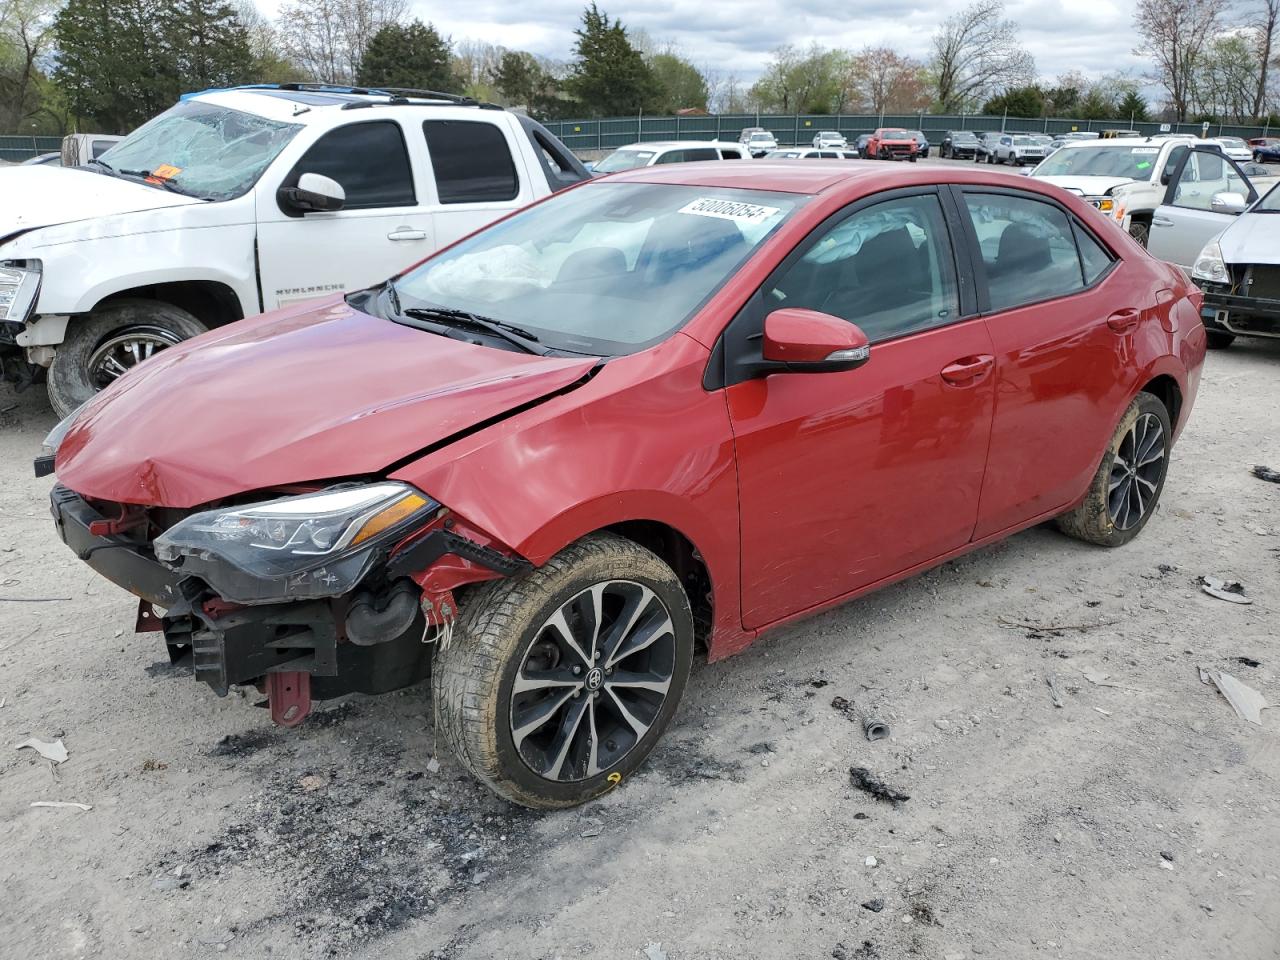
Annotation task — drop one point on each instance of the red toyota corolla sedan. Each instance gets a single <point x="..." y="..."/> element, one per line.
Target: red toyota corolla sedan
<point x="681" y="405"/>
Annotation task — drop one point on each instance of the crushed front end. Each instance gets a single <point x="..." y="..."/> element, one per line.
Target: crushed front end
<point x="1247" y="301"/>
<point x="307" y="595"/>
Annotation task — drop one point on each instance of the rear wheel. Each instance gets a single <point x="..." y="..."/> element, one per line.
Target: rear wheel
<point x="1130" y="478"/>
<point x="559" y="682"/>
<point x="113" y="339"/>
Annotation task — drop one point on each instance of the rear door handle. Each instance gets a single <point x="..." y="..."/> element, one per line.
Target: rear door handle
<point x="1122" y="321"/>
<point x="1161" y="222"/>
<point x="968" y="370"/>
<point x="406" y="233"/>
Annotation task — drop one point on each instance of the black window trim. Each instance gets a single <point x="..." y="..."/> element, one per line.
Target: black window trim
<point x="1172" y="185"/>
<point x="295" y="173"/>
<point x="978" y="267"/>
<point x="435" y="176"/>
<point x="735" y="354"/>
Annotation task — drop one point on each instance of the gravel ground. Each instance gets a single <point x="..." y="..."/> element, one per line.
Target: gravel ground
<point x="1137" y="817"/>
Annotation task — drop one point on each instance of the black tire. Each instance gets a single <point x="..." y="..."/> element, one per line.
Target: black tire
<point x="1218" y="340"/>
<point x="72" y="379"/>
<point x="1105" y="515"/>
<point x="503" y="624"/>
<point x="1140" y="230"/>
<point x="912" y="158"/>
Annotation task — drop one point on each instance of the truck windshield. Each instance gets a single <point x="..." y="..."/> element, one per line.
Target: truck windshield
<point x="1131" y="162"/>
<point x="202" y="150"/>
<point x="624" y="160"/>
<point x="604" y="269"/>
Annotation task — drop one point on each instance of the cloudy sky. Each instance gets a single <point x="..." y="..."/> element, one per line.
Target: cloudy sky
<point x="736" y="36"/>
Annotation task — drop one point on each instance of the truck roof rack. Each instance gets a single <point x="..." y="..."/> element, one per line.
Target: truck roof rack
<point x="394" y="95"/>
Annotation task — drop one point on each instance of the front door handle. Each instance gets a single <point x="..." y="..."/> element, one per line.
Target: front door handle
<point x="1122" y="321"/>
<point x="407" y="233"/>
<point x="1161" y="222"/>
<point x="968" y="370"/>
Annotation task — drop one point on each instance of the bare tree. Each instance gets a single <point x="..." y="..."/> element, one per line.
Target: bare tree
<point x="1266" y="22"/>
<point x="891" y="83"/>
<point x="977" y="53"/>
<point x="327" y="38"/>
<point x="1174" y="33"/>
<point x="26" y="28"/>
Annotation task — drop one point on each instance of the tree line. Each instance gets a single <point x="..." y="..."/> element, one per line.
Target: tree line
<point x="111" y="64"/>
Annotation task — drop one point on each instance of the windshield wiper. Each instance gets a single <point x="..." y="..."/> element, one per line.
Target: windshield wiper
<point x="447" y="317"/>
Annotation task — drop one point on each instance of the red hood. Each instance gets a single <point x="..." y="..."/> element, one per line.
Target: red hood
<point x="299" y="395"/>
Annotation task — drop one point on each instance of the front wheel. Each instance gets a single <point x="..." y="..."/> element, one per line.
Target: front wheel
<point x="1127" y="485"/>
<point x="1140" y="230"/>
<point x="112" y="340"/>
<point x="559" y="682"/>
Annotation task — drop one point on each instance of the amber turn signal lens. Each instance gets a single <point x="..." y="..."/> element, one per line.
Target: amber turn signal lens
<point x="389" y="516"/>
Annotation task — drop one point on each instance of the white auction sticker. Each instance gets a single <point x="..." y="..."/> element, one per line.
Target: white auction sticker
<point x="1137" y="150"/>
<point x="729" y="210"/>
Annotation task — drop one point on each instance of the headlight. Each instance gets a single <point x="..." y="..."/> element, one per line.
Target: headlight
<point x="1106" y="204"/>
<point x="53" y="439"/>
<point x="1209" y="265"/>
<point x="19" y="288"/>
<point x="314" y="545"/>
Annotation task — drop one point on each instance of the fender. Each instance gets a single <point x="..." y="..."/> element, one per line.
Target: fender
<point x="580" y="472"/>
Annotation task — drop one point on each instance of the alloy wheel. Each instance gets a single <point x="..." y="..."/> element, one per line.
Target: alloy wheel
<point x="1136" y="470"/>
<point x="593" y="681"/>
<point x="125" y="349"/>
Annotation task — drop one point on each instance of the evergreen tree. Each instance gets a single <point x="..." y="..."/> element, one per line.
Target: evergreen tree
<point x="609" y="76"/>
<point x="407" y="55"/>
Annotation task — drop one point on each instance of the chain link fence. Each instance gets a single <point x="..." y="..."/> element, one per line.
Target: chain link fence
<point x="14" y="149"/>
<point x="797" y="129"/>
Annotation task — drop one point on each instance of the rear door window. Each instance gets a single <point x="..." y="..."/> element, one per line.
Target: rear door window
<point x="1028" y="249"/>
<point x="368" y="160"/>
<point x="471" y="161"/>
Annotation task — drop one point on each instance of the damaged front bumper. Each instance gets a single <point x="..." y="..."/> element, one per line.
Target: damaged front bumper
<point x="370" y="640"/>
<point x="1227" y="311"/>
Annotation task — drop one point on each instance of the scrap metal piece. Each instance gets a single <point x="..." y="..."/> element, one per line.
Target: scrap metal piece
<point x="875" y="728"/>
<point x="289" y="693"/>
<point x="1247" y="702"/>
<point x="63" y="804"/>
<point x="55" y="752"/>
<point x="1231" y="591"/>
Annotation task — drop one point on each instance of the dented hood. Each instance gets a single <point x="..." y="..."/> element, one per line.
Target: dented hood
<point x="299" y="395"/>
<point x="41" y="196"/>
<point x="1085" y="186"/>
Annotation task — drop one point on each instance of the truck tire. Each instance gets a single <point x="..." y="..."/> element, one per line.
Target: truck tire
<point x="112" y="339"/>
<point x="522" y="693"/>
<point x="1129" y="480"/>
<point x="1140" y="230"/>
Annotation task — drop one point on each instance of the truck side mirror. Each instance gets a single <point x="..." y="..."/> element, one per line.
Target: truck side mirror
<point x="1228" y="203"/>
<point x="314" y="193"/>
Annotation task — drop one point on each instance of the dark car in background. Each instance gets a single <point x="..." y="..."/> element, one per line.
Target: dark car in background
<point x="860" y="145"/>
<point x="958" y="145"/>
<point x="922" y="143"/>
<point x="1266" y="152"/>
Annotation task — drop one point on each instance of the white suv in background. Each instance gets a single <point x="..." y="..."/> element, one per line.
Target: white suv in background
<point x="668" y="151"/>
<point x="234" y="202"/>
<point x="1018" y="149"/>
<point x="829" y="140"/>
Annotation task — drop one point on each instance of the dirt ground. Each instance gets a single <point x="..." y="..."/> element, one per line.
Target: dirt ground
<point x="1137" y="819"/>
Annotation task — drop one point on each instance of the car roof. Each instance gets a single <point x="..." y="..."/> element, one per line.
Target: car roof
<point x="297" y="102"/>
<point x="781" y="176"/>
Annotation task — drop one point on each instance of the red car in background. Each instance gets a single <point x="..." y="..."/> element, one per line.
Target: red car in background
<point x="674" y="407"/>
<point x="890" y="143"/>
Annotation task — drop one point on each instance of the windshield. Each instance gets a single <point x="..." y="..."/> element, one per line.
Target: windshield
<point x="962" y="135"/>
<point x="830" y="134"/>
<point x="1234" y="142"/>
<point x="1270" y="202"/>
<point x="203" y="150"/>
<point x="1023" y="142"/>
<point x="762" y="136"/>
<point x="1133" y="163"/>
<point x="604" y="269"/>
<point x="895" y="135"/>
<point x="624" y="160"/>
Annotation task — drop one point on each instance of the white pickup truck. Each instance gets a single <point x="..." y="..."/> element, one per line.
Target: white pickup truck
<point x="239" y="201"/>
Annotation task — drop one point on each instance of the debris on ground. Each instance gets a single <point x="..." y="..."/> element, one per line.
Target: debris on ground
<point x="875" y="906"/>
<point x="875" y="728"/>
<point x="1247" y="702"/>
<point x="870" y="862"/>
<point x="433" y="765"/>
<point x="1053" y="692"/>
<point x="1230" y="590"/>
<point x="1266" y="473"/>
<point x="845" y="707"/>
<point x="53" y="751"/>
<point x="654" y="951"/>
<point x="150" y="765"/>
<point x="870" y="784"/>
<point x="63" y="804"/>
<point x="1051" y="629"/>
<point x="1167" y="854"/>
<point x="1100" y="679"/>
<point x="1247" y="661"/>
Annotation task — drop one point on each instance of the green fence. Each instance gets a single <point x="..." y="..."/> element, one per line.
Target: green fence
<point x="16" y="149"/>
<point x="606" y="134"/>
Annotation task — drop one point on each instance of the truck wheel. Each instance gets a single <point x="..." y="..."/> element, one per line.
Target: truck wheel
<point x="1127" y="486"/>
<point x="1217" y="340"/>
<point x="1140" y="230"/>
<point x="558" y="682"/>
<point x="115" y="337"/>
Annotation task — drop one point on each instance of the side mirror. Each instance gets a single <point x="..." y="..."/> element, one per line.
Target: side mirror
<point x="1165" y="178"/>
<point x="314" y="193"/>
<point x="1228" y="203"/>
<point x="806" y="341"/>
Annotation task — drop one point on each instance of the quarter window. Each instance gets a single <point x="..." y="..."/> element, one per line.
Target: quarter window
<point x="471" y="161"/>
<point x="888" y="268"/>
<point x="1094" y="258"/>
<point x="368" y="160"/>
<point x="1028" y="249"/>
